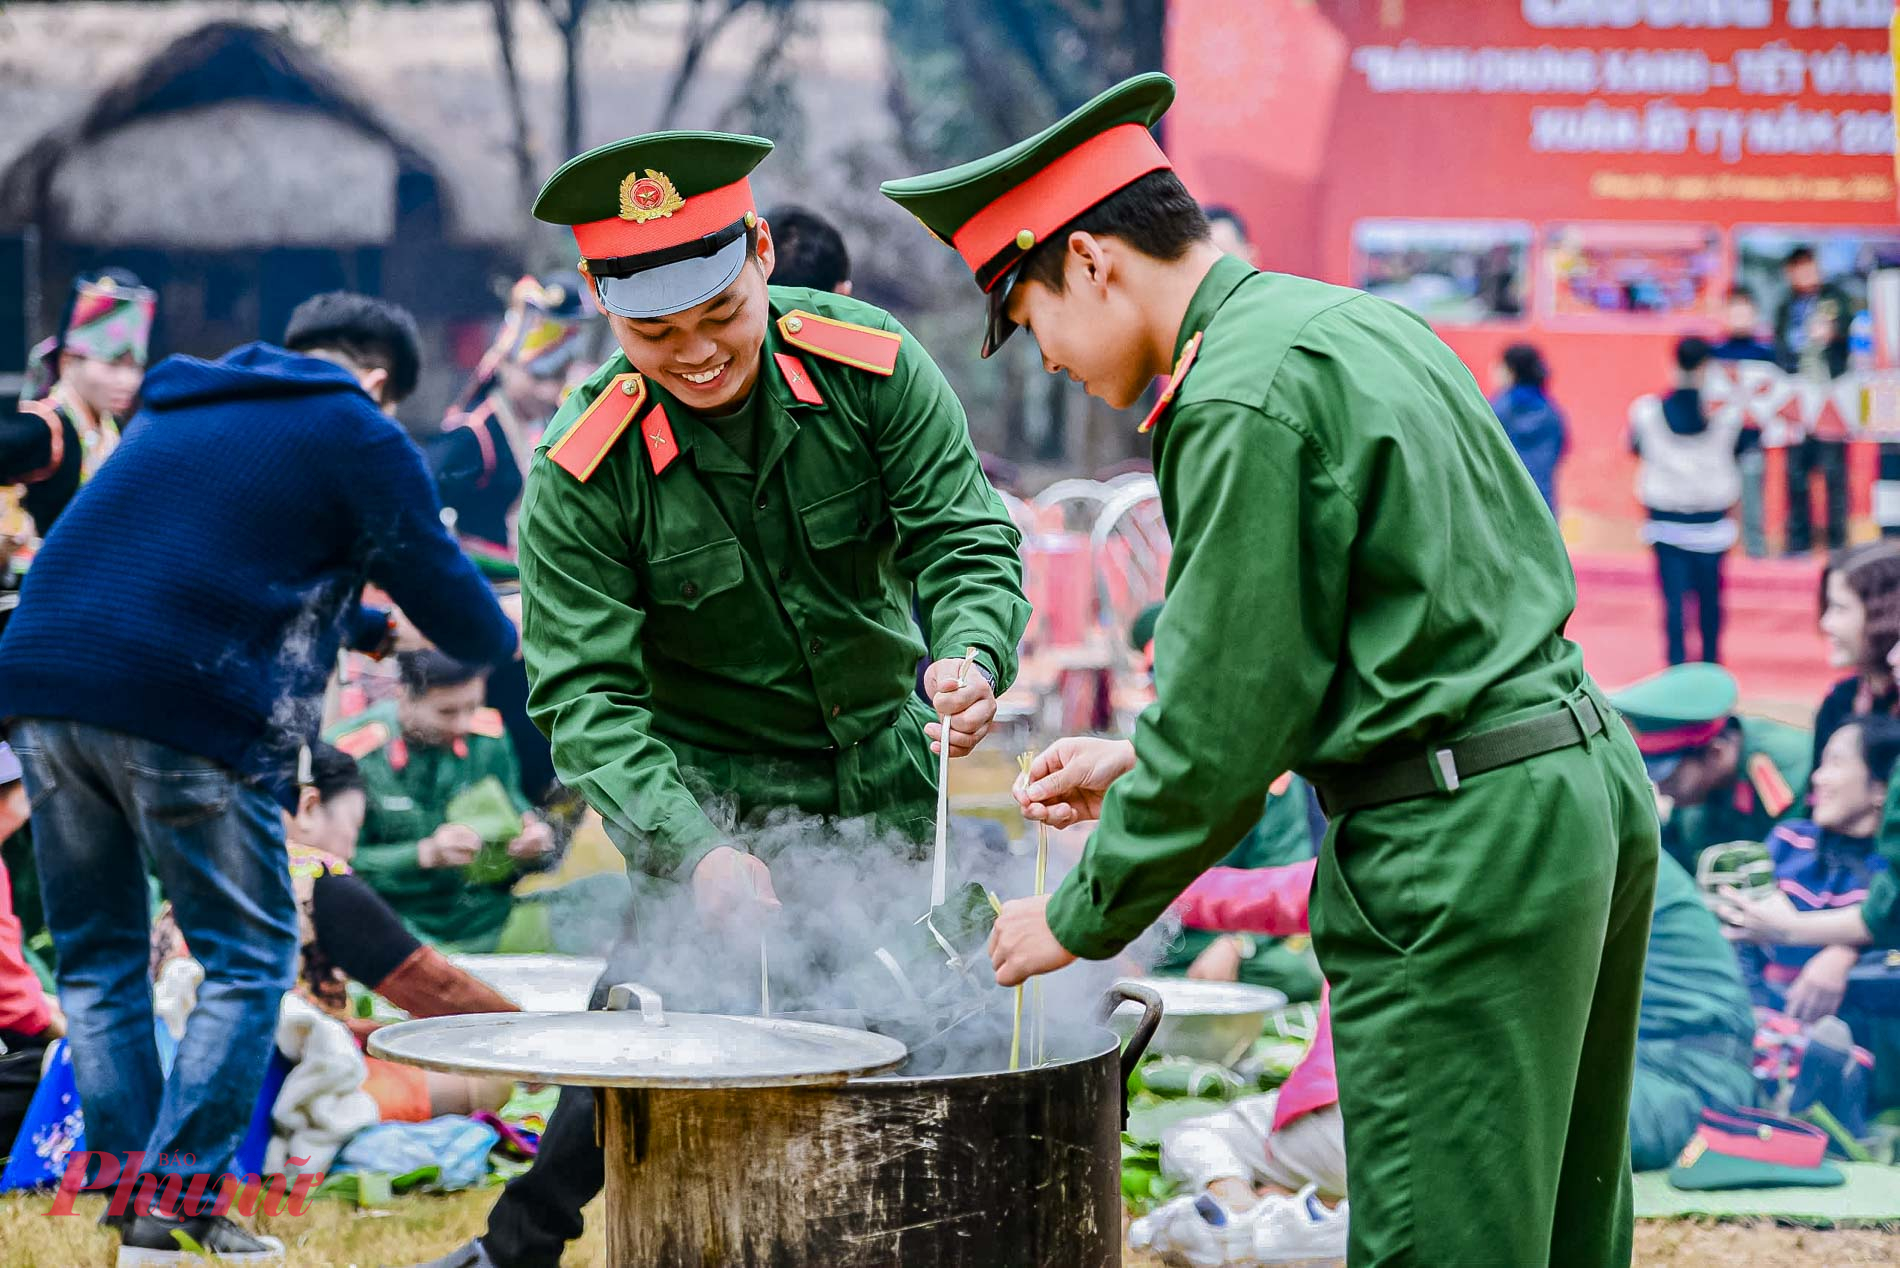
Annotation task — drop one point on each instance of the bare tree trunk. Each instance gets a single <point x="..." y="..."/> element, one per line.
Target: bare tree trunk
<point x="703" y="25"/>
<point x="568" y="18"/>
<point x="571" y="79"/>
<point x="504" y="18"/>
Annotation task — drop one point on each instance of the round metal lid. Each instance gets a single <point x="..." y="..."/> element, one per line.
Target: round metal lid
<point x="539" y="983"/>
<point x="632" y="1049"/>
<point x="1190" y="997"/>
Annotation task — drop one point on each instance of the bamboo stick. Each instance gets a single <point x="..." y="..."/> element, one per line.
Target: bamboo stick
<point x="940" y="864"/>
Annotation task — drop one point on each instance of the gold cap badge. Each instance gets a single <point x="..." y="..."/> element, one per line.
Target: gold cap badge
<point x="649" y="197"/>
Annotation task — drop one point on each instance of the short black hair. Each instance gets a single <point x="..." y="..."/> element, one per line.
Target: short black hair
<point x="1221" y="211"/>
<point x="1879" y="743"/>
<point x="428" y="669"/>
<point x="1800" y="255"/>
<point x="1691" y="352"/>
<point x="333" y="772"/>
<point x="1526" y="365"/>
<point x="811" y="252"/>
<point x="1155" y="215"/>
<point x="371" y="332"/>
<point x="1738" y="291"/>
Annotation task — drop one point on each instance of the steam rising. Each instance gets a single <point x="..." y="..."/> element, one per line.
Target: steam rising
<point x="849" y="946"/>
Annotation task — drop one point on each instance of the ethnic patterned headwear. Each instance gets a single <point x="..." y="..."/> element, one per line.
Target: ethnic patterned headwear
<point x="106" y="320"/>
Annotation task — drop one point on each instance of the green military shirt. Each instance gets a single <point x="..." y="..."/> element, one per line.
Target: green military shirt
<point x="680" y="599"/>
<point x="1361" y="566"/>
<point x="409" y="789"/>
<point x="1692" y="984"/>
<point x="1770" y="784"/>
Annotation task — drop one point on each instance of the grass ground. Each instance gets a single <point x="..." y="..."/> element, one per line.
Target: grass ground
<point x="414" y="1229"/>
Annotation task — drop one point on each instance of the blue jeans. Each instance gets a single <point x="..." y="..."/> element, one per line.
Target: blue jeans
<point x="108" y="807"/>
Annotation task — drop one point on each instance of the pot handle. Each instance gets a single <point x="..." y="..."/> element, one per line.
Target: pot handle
<point x="1150" y="1001"/>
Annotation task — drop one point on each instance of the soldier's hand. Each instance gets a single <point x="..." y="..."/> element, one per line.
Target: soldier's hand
<point x="535" y="841"/>
<point x="1067" y="781"/>
<point x="451" y="845"/>
<point x="1021" y="945"/>
<point x="971" y="708"/>
<point x="730" y="885"/>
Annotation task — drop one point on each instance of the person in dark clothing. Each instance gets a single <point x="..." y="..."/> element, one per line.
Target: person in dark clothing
<point x="479" y="457"/>
<point x="1860" y="619"/>
<point x="811" y="251"/>
<point x="1687" y="480"/>
<point x="1811" y="342"/>
<point x="160" y="679"/>
<point x="1742" y="343"/>
<point x="1534" y="424"/>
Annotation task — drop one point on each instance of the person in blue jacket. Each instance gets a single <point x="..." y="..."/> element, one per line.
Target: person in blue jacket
<point x="1531" y="419"/>
<point x="164" y="675"/>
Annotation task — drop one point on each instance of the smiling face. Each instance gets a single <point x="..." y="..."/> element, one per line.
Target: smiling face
<point x="1843" y="623"/>
<point x="1847" y="798"/>
<point x="707" y="357"/>
<point x="1091" y="329"/>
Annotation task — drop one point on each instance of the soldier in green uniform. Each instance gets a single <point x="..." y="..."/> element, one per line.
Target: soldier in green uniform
<point x="1696" y="1044"/>
<point x="721" y="537"/>
<point x="1719" y="777"/>
<point x="417" y="755"/>
<point x="1366" y="588"/>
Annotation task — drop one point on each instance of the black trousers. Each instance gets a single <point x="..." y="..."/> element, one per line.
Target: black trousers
<point x="1684" y="574"/>
<point x="1830" y="457"/>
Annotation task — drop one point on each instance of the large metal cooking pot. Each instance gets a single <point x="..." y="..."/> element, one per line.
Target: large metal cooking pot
<point x="970" y="1170"/>
<point x="728" y="1144"/>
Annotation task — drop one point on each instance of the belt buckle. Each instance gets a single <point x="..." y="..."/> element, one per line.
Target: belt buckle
<point x="1444" y="770"/>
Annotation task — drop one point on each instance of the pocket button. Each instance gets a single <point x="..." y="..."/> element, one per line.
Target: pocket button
<point x="690" y="590"/>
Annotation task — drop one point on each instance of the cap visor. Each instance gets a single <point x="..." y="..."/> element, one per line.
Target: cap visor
<point x="998" y="327"/>
<point x="674" y="288"/>
<point x="1662" y="767"/>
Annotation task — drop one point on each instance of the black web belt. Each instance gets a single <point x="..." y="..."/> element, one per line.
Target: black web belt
<point x="1441" y="771"/>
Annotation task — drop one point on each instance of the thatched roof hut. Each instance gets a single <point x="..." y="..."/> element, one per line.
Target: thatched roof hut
<point x="231" y="136"/>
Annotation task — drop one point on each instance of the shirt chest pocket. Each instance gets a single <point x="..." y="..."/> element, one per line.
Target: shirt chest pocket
<point x="697" y="608"/>
<point x="396" y="816"/>
<point x="851" y="538"/>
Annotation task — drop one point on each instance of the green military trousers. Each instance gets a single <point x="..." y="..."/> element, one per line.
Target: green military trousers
<point x="1485" y="950"/>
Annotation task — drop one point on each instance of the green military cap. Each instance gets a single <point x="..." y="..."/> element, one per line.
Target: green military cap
<point x="662" y="220"/>
<point x="994" y="210"/>
<point x="1677" y="711"/>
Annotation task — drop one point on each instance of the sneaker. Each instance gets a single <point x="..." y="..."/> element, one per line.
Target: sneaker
<point x="152" y="1241"/>
<point x="1196" y="1231"/>
<point x="473" y="1255"/>
<point x="1298" y="1229"/>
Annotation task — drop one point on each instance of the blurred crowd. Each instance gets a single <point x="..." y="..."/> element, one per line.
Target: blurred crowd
<point x="428" y="821"/>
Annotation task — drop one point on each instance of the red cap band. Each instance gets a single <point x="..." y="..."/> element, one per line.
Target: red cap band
<point x="700" y="215"/>
<point x="1060" y="192"/>
<point x="1676" y="739"/>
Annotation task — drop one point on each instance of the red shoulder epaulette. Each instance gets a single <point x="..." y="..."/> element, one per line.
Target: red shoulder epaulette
<point x="580" y="451"/>
<point x="487" y="722"/>
<point x="865" y="347"/>
<point x="364" y="740"/>
<point x="1770" y="784"/>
